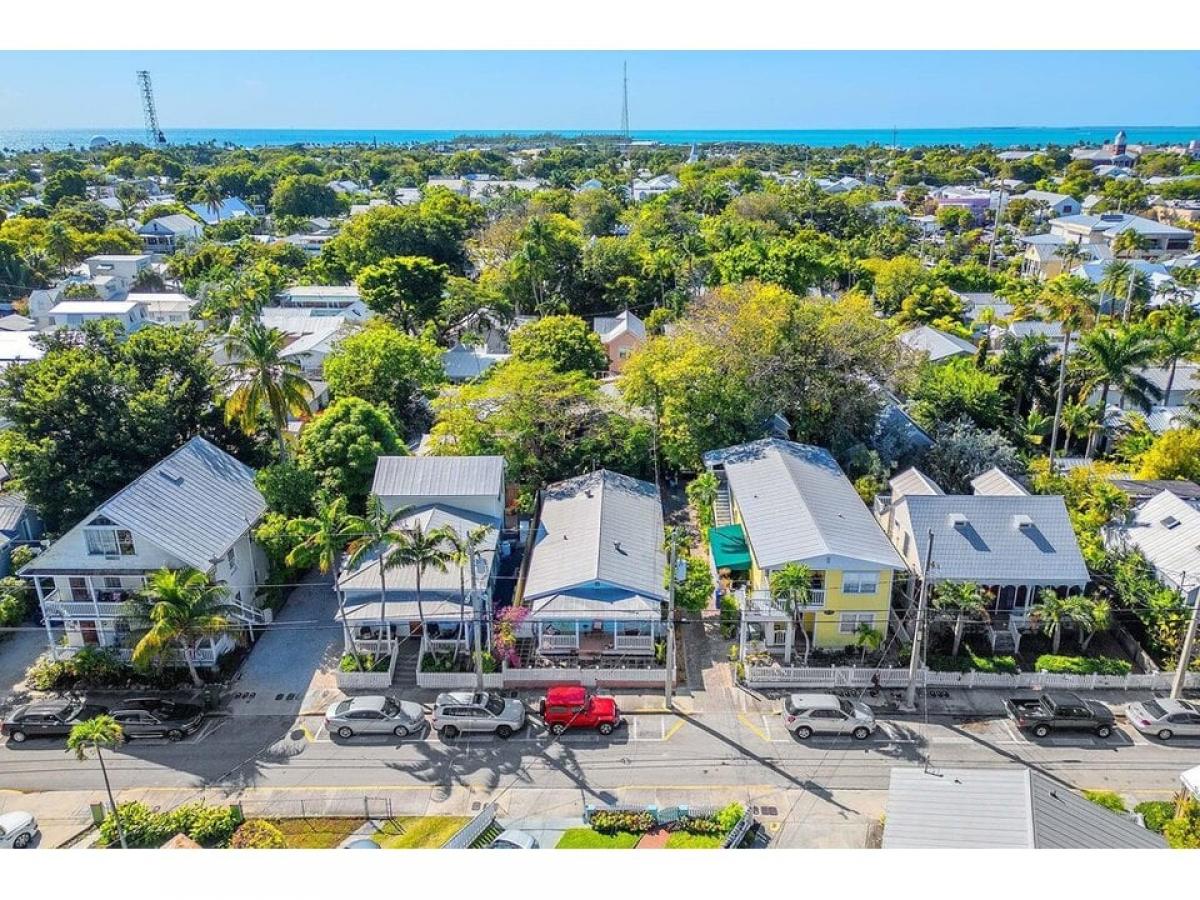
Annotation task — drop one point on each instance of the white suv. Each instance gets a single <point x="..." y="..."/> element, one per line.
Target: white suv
<point x="456" y="713"/>
<point x="809" y="714"/>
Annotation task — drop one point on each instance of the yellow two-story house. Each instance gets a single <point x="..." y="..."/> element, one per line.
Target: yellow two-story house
<point x="781" y="503"/>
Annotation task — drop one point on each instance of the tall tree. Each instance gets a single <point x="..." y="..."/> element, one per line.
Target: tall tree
<point x="267" y="382"/>
<point x="326" y="536"/>
<point x="209" y="193"/>
<point x="464" y="552"/>
<point x="1177" y="335"/>
<point x="791" y="588"/>
<point x="1118" y="356"/>
<point x="421" y="550"/>
<point x="1069" y="300"/>
<point x="182" y="606"/>
<point x="375" y="531"/>
<point x="965" y="601"/>
<point x="99" y="733"/>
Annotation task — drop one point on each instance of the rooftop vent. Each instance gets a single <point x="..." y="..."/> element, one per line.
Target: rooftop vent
<point x="1022" y="521"/>
<point x="170" y="476"/>
<point x="957" y="520"/>
<point x="1170" y="522"/>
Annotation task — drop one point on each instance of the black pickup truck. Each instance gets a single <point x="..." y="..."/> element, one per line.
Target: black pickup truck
<point x="1060" y="711"/>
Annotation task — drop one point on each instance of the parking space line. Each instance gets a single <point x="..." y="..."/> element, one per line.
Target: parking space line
<point x="1014" y="734"/>
<point x="745" y="720"/>
<point x="674" y="728"/>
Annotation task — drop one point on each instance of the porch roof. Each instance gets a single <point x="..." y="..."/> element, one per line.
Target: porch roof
<point x="402" y="607"/>
<point x="729" y="547"/>
<point x="572" y="606"/>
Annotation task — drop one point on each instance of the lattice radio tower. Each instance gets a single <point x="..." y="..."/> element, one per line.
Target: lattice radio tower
<point x="153" y="133"/>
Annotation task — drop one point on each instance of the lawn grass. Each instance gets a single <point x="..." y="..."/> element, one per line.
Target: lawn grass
<point x="681" y="840"/>
<point x="316" y="834"/>
<point x="587" y="839"/>
<point x="419" y="832"/>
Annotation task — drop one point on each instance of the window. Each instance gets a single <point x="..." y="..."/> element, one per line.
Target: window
<point x="860" y="582"/>
<point x="231" y="560"/>
<point x="109" y="542"/>
<point x="112" y="583"/>
<point x="849" y="621"/>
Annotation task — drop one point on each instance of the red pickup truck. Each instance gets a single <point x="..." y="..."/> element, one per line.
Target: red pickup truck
<point x="571" y="706"/>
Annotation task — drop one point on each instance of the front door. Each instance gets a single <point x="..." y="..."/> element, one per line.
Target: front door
<point x="79" y="590"/>
<point x="90" y="635"/>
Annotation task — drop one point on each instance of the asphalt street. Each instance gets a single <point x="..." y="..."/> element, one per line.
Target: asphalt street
<point x="743" y="749"/>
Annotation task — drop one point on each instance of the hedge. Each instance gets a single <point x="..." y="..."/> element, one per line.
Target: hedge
<point x="1082" y="665"/>
<point x="1156" y="813"/>
<point x="208" y="826"/>
<point x="967" y="661"/>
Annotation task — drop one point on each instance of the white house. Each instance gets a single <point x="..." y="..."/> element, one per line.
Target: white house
<point x="229" y="208"/>
<point x="326" y="300"/>
<point x="649" y="188"/>
<point x="166" y="233"/>
<point x="72" y="314"/>
<point x="1160" y="239"/>
<point x="125" y="267"/>
<point x="18" y="347"/>
<point x="1056" y="204"/>
<point x="462" y="493"/>
<point x="934" y="343"/>
<point x="197" y="509"/>
<point x="312" y="333"/>
<point x="1166" y="530"/>
<point x="166" y="309"/>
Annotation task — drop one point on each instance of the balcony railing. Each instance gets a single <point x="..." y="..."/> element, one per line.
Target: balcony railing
<point x="559" y="642"/>
<point x="634" y="643"/>
<point x="83" y="609"/>
<point x="764" y="603"/>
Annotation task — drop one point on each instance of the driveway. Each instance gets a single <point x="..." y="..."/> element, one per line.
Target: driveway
<point x="18" y="651"/>
<point x="291" y="668"/>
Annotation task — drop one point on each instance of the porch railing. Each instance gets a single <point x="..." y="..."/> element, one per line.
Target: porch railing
<point x="634" y="643"/>
<point x="559" y="642"/>
<point x="84" y="609"/>
<point x="765" y="603"/>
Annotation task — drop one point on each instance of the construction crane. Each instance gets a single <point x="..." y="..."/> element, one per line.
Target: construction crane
<point x="153" y="133"/>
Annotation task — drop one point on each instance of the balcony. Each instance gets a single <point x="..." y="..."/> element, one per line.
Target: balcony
<point x="763" y="604"/>
<point x="82" y="609"/>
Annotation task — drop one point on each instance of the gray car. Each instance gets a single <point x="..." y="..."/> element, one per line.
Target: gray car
<point x="464" y="712"/>
<point x="374" y="715"/>
<point x="809" y="714"/>
<point x="1165" y="718"/>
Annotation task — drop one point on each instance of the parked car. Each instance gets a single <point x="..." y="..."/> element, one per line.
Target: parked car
<point x="1165" y="718"/>
<point x="571" y="706"/>
<point x="18" y="829"/>
<point x="50" y="718"/>
<point x="1060" y="711"/>
<point x="809" y="714"/>
<point x="512" y="839"/>
<point x="157" y="717"/>
<point x="375" y="715"/>
<point x="456" y="713"/>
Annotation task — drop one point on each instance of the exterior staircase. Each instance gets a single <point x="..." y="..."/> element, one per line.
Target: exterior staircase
<point x="722" y="508"/>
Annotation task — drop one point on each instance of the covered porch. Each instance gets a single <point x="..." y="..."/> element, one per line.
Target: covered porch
<point x="589" y="630"/>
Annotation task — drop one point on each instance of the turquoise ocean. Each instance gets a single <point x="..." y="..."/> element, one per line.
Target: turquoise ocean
<point x="965" y="137"/>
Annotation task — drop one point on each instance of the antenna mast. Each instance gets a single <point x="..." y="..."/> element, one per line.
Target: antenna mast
<point x="153" y="133"/>
<point x="625" y="124"/>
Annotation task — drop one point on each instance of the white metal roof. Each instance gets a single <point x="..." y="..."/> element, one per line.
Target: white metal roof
<point x="913" y="481"/>
<point x="438" y="476"/>
<point x="1166" y="529"/>
<point x="798" y="506"/>
<point x="602" y="531"/>
<point x="995" y="482"/>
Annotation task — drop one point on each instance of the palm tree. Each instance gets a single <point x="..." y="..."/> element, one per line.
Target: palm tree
<point x="1070" y="253"/>
<point x="1054" y="613"/>
<point x="1079" y="420"/>
<point x="325" y="538"/>
<point x="377" y="529"/>
<point x="791" y="588"/>
<point x="1034" y="428"/>
<point x="1069" y="299"/>
<point x="1096" y="616"/>
<point x="267" y="381"/>
<point x="1122" y="279"/>
<point x="419" y="549"/>
<point x="209" y="193"/>
<point x="101" y="731"/>
<point x="464" y="549"/>
<point x="868" y="639"/>
<point x="966" y="601"/>
<point x="702" y="492"/>
<point x="1119" y="356"/>
<point x="129" y="195"/>
<point x="1177" y="333"/>
<point x="184" y="606"/>
<point x="1027" y="370"/>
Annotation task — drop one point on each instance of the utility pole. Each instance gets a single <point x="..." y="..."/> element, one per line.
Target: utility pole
<point x="918" y="646"/>
<point x="996" y="229"/>
<point x="672" y="543"/>
<point x="1189" y="641"/>
<point x="478" y="617"/>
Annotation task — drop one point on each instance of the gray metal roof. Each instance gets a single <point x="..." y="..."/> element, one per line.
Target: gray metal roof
<point x="798" y="506"/>
<point x="937" y="344"/>
<point x="12" y="510"/>
<point x="997" y="483"/>
<point x="402" y="582"/>
<point x="1166" y="529"/>
<point x="1007" y="808"/>
<point x="195" y="504"/>
<point x="601" y="530"/>
<point x="913" y="481"/>
<point x="1140" y="490"/>
<point x="995" y="539"/>
<point x="438" y="476"/>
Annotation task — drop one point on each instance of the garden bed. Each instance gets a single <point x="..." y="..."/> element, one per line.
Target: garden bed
<point x="587" y="839"/>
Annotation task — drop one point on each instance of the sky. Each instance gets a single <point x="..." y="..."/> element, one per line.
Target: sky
<point x="582" y="90"/>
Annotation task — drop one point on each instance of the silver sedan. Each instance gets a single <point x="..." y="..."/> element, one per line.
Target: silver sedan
<point x="374" y="715"/>
<point x="1165" y="718"/>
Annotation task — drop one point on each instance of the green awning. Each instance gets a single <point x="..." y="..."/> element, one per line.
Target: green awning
<point x="729" y="549"/>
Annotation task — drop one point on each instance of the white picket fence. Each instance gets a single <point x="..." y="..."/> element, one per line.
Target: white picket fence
<point x="458" y="681"/>
<point x="787" y="677"/>
<point x="366" y="681"/>
<point x="515" y="678"/>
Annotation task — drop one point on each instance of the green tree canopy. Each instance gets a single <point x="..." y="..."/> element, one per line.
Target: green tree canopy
<point x="566" y="343"/>
<point x="342" y="444"/>
<point x="387" y="368"/>
<point x="405" y="289"/>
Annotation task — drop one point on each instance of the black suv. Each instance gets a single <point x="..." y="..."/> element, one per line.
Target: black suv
<point x="50" y="718"/>
<point x="157" y="717"/>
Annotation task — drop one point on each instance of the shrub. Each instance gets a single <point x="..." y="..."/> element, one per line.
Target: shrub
<point x="1082" y="665"/>
<point x="1183" y="831"/>
<point x="1110" y="800"/>
<point x="1156" y="813"/>
<point x="969" y="662"/>
<point x="606" y="822"/>
<point x="700" y="826"/>
<point x="729" y="816"/>
<point x="257" y="834"/>
<point x="209" y="826"/>
<point x="21" y="556"/>
<point x="369" y="662"/>
<point x="729" y="615"/>
<point x="14" y="601"/>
